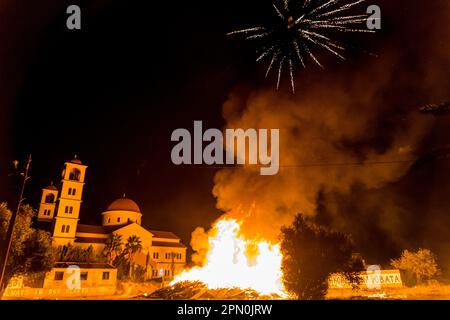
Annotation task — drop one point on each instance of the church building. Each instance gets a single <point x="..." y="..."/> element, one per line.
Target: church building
<point x="162" y="253"/>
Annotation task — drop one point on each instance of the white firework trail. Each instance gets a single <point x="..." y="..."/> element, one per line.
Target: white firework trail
<point x="280" y="68"/>
<point x="303" y="25"/>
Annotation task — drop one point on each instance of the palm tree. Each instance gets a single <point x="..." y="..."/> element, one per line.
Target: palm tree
<point x="113" y="247"/>
<point x="132" y="246"/>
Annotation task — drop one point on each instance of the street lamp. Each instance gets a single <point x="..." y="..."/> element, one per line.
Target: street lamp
<point x="9" y="233"/>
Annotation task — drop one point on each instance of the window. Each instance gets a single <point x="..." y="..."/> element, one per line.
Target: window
<point x="66" y="209"/>
<point x="70" y="210"/>
<point x="118" y="219"/>
<point x="75" y="174"/>
<point x="83" y="276"/>
<point x="155" y="255"/>
<point x="50" y="198"/>
<point x="70" y="191"/>
<point x="67" y="229"/>
<point x="63" y="228"/>
<point x="105" y="276"/>
<point x="109" y="220"/>
<point x="59" y="275"/>
<point x="74" y="191"/>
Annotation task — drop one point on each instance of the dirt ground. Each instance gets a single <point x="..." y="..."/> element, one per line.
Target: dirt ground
<point x="426" y="292"/>
<point x="429" y="292"/>
<point x="129" y="290"/>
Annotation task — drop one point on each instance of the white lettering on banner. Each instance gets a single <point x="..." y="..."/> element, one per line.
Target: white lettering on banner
<point x="368" y="280"/>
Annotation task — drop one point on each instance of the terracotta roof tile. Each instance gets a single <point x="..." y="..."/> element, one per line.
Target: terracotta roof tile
<point x="168" y="244"/>
<point x="90" y="240"/>
<point x="84" y="265"/>
<point x="89" y="228"/>
<point x="163" y="234"/>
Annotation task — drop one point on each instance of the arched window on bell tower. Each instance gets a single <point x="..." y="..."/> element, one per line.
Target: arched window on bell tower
<point x="47" y="205"/>
<point x="69" y="201"/>
<point x="75" y="174"/>
<point x="50" y="198"/>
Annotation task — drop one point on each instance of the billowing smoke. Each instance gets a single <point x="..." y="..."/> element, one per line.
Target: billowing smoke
<point x="329" y="141"/>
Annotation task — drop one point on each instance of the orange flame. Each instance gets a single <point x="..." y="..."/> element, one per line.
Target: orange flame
<point x="233" y="261"/>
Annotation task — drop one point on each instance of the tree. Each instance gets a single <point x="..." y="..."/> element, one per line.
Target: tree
<point x="39" y="254"/>
<point x="113" y="247"/>
<point x="311" y="253"/>
<point x="421" y="264"/>
<point x="31" y="249"/>
<point x="132" y="246"/>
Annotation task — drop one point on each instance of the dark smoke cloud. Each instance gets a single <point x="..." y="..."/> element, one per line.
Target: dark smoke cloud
<point x="361" y="111"/>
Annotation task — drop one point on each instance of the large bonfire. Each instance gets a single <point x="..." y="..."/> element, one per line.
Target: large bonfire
<point x="232" y="261"/>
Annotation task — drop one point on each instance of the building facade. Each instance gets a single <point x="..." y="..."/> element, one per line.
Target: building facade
<point x="67" y="280"/>
<point x="162" y="254"/>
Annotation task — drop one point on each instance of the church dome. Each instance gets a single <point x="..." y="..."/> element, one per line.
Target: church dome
<point x="124" y="204"/>
<point x="121" y="212"/>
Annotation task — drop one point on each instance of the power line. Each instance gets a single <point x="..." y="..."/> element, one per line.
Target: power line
<point x="307" y="165"/>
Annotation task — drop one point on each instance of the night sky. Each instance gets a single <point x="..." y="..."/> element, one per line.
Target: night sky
<point x="114" y="91"/>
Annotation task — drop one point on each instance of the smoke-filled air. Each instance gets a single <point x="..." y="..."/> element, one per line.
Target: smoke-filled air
<point x="336" y="163"/>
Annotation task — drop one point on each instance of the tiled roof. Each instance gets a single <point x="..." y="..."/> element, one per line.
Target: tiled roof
<point x="109" y="229"/>
<point x="84" y="265"/>
<point x="51" y="187"/>
<point x="163" y="234"/>
<point x="89" y="228"/>
<point x="168" y="244"/>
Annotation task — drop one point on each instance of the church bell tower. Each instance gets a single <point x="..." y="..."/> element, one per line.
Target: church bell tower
<point x="69" y="202"/>
<point x="48" y="203"/>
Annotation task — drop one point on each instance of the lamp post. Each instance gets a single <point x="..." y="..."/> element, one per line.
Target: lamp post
<point x="12" y="221"/>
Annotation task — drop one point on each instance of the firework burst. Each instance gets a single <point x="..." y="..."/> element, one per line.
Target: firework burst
<point x="299" y="27"/>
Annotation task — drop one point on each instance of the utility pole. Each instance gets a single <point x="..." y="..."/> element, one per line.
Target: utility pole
<point x="12" y="221"/>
